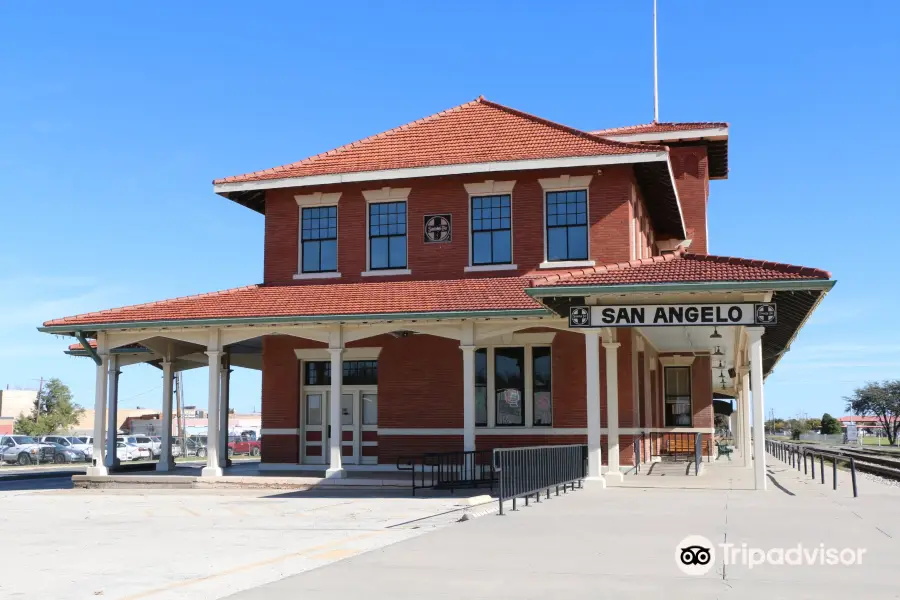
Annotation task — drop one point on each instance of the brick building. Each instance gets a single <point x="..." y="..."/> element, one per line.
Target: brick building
<point x="481" y="278"/>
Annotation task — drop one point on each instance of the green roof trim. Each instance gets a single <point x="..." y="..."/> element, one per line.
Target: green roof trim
<point x="702" y="286"/>
<point x="232" y="321"/>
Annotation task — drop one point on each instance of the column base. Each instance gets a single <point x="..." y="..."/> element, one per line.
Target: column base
<point x="614" y="477"/>
<point x="596" y="482"/>
<point x="98" y="471"/>
<point x="164" y="466"/>
<point x="335" y="473"/>
<point x="211" y="471"/>
<point x="116" y="463"/>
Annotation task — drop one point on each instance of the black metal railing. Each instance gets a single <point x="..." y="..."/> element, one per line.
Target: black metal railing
<point x="526" y="472"/>
<point x="638" y="447"/>
<point x="798" y="457"/>
<point x="449" y="470"/>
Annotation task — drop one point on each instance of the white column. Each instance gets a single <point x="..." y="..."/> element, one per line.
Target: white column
<point x="756" y="386"/>
<point x="166" y="460"/>
<point x="99" y="468"/>
<point x="224" y="406"/>
<point x="335" y="468"/>
<point x="746" y="447"/>
<point x="212" y="468"/>
<point x="613" y="474"/>
<point x="468" y="356"/>
<point x="592" y="380"/>
<point x="112" y="412"/>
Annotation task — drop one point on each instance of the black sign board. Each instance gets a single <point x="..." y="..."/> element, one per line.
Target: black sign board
<point x="679" y="315"/>
<point x="438" y="229"/>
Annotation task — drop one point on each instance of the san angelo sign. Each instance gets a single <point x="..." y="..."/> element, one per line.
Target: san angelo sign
<point x="659" y="315"/>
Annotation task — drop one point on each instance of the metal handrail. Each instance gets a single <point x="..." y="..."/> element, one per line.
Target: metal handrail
<point x="529" y="471"/>
<point x="793" y="454"/>
<point x="449" y="470"/>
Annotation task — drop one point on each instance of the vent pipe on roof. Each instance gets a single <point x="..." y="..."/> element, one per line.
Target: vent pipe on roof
<point x="655" y="71"/>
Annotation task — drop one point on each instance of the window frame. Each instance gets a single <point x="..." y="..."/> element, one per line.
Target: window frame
<point x="337" y="216"/>
<point x="547" y="227"/>
<point x="317" y="200"/>
<point x="369" y="237"/>
<point x="493" y="264"/>
<point x="566" y="183"/>
<point x="666" y="395"/>
<point x="528" y="386"/>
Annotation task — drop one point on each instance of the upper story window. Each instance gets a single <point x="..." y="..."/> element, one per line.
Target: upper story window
<point x="567" y="230"/>
<point x="355" y="372"/>
<point x="387" y="235"/>
<point x="318" y="237"/>
<point x="491" y="230"/>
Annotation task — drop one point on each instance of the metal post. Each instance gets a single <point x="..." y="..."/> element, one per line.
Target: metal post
<point x="812" y="464"/>
<point x="834" y="470"/>
<point x="853" y="476"/>
<point x="822" y="467"/>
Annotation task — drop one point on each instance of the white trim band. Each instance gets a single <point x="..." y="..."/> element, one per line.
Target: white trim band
<point x="436" y="171"/>
<point x="273" y="431"/>
<point x="405" y="431"/>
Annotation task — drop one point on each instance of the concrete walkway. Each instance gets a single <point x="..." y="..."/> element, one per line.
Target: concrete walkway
<point x="621" y="543"/>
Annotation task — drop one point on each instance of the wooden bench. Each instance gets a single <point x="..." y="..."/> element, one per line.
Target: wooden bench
<point x="680" y="445"/>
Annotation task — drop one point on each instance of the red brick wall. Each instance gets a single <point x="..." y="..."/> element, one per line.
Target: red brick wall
<point x="609" y="211"/>
<point x="390" y="447"/>
<point x="413" y="392"/>
<point x="489" y="442"/>
<point x="568" y="383"/>
<point x="280" y="448"/>
<point x="690" y="165"/>
<point x="626" y="381"/>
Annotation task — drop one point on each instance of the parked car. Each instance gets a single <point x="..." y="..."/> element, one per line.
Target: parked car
<point x="240" y="444"/>
<point x="199" y="442"/>
<point x="24" y="450"/>
<point x="141" y="441"/>
<point x="70" y="443"/>
<point x="128" y="451"/>
<point x="66" y="454"/>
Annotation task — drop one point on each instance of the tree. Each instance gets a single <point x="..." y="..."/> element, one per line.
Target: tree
<point x="54" y="411"/>
<point x="830" y="425"/>
<point x="879" y="400"/>
<point x="814" y="424"/>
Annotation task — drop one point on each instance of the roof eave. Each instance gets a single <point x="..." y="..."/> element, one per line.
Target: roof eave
<point x="694" y="286"/>
<point x="69" y="329"/>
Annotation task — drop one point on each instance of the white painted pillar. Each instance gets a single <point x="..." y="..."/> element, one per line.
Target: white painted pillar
<point x="468" y="356"/>
<point x="212" y="468"/>
<point x="756" y="385"/>
<point x="335" y="467"/>
<point x="592" y="379"/>
<point x="112" y="411"/>
<point x="746" y="446"/>
<point x="166" y="460"/>
<point x="98" y="466"/>
<point x="225" y="405"/>
<point x="613" y="474"/>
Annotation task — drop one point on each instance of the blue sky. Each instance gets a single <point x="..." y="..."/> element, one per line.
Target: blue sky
<point x="115" y="117"/>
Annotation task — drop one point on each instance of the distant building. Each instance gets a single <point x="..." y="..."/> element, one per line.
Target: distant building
<point x="870" y="425"/>
<point x="16" y="402"/>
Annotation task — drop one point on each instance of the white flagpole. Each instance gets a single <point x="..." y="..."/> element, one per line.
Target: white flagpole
<point x="655" y="71"/>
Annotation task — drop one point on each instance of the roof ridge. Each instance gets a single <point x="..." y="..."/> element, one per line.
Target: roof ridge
<point x="156" y="302"/>
<point x="345" y="147"/>
<point x="567" y="128"/>
<point x="766" y="264"/>
<point x="616" y="266"/>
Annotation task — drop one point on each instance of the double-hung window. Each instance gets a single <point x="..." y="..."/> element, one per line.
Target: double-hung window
<point x="567" y="230"/>
<point x="678" y="396"/>
<point x="491" y="230"/>
<point x="318" y="236"/>
<point x="387" y="235"/>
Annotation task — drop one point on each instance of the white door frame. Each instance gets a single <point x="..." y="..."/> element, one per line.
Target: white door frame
<point x="357" y="427"/>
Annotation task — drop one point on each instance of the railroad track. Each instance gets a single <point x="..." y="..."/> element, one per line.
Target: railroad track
<point x="864" y="461"/>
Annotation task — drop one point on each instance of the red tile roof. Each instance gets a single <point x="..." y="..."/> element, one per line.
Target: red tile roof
<point x="475" y="132"/>
<point x="477" y="294"/>
<point x="658" y="128"/>
<point x="680" y="267"/>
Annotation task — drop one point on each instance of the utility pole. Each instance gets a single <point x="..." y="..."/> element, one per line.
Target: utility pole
<point x="655" y="70"/>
